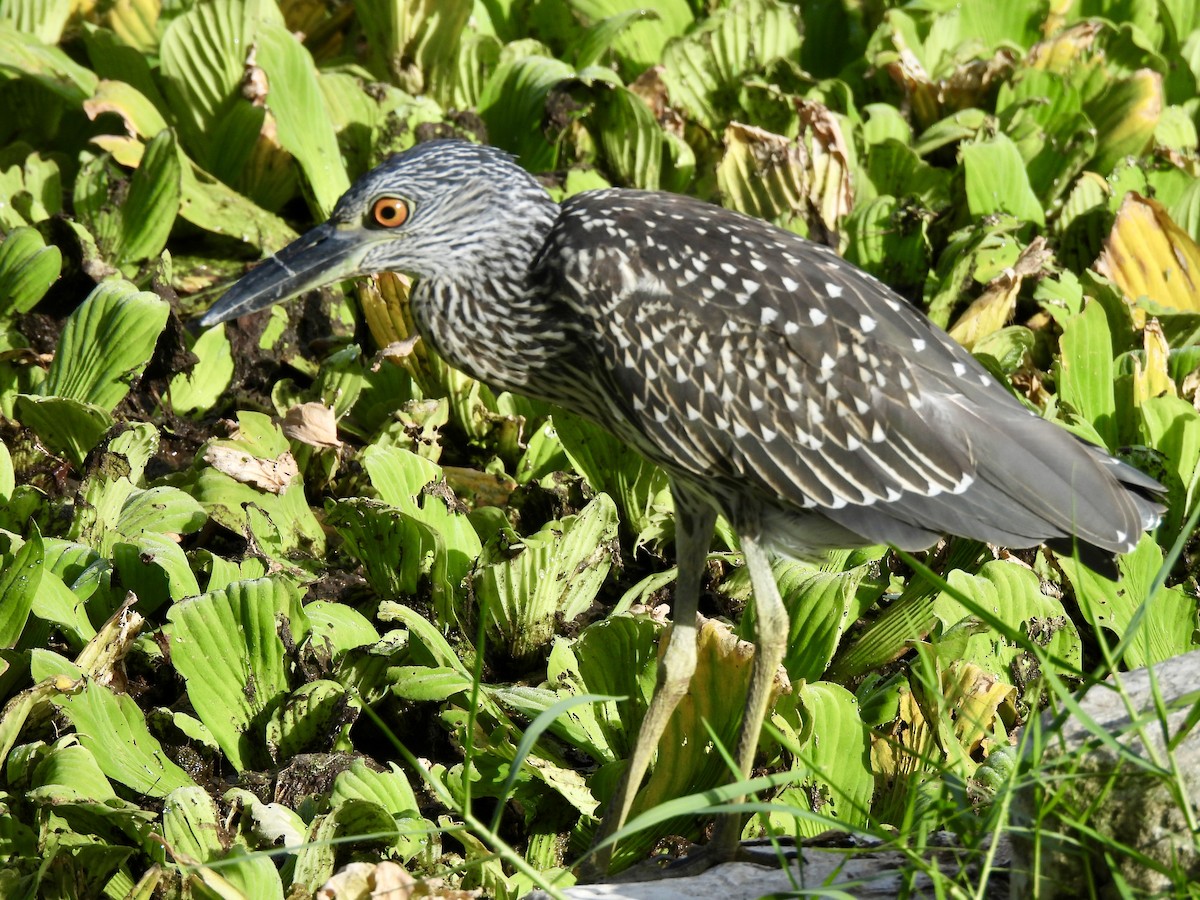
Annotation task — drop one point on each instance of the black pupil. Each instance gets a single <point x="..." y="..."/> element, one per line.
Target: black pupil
<point x="387" y="211"/>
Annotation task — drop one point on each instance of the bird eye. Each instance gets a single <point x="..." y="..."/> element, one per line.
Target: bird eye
<point x="390" y="212"/>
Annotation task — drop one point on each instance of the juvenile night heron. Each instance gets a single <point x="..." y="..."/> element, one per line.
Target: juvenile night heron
<point x="774" y="383"/>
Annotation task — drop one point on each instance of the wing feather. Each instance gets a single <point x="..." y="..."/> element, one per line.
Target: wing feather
<point x="763" y="365"/>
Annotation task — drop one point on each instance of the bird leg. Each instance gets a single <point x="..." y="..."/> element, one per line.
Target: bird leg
<point x="694" y="521"/>
<point x="770" y="638"/>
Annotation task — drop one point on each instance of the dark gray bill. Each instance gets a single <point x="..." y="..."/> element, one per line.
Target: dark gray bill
<point x="322" y="256"/>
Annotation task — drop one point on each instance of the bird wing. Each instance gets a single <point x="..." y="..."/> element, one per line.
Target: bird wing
<point x="743" y="355"/>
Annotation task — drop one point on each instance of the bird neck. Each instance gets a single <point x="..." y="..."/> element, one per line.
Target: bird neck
<point x="482" y="317"/>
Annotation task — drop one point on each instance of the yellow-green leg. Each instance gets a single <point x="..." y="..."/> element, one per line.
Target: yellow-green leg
<point x="770" y="639"/>
<point x="694" y="521"/>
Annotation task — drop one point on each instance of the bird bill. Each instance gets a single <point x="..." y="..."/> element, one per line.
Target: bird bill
<point x="325" y="255"/>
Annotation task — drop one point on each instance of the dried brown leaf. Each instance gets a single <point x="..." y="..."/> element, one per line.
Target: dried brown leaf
<point x="312" y="423"/>
<point x="271" y="475"/>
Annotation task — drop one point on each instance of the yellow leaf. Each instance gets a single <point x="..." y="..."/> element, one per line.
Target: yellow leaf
<point x="715" y="699"/>
<point x="384" y="300"/>
<point x="980" y="702"/>
<point x="135" y="22"/>
<point x="1062" y="53"/>
<point x="1152" y="379"/>
<point x="830" y="191"/>
<point x="995" y="306"/>
<point x="1148" y="255"/>
<point x="139" y="116"/>
<point x="762" y="174"/>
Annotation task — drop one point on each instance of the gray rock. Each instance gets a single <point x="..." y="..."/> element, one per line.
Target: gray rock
<point x="841" y="865"/>
<point x="1123" y="790"/>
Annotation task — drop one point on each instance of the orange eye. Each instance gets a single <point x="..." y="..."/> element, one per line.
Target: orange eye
<point x="390" y="212"/>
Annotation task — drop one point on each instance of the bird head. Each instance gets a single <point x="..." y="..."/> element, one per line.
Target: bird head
<point x="445" y="209"/>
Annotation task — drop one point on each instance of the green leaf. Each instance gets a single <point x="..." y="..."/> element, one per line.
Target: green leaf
<point x="201" y="389"/>
<point x="58" y="605"/>
<point x="154" y="567"/>
<point x="821" y="605"/>
<point x="1125" y="116"/>
<point x="605" y="34"/>
<point x="438" y="649"/>
<point x="8" y="476"/>
<point x="428" y="684"/>
<point x="1169" y="623"/>
<point x="961" y="126"/>
<point x="113" y="482"/>
<point x="106" y="343"/>
<point x="831" y="746"/>
<point x="227" y="647"/>
<point x="390" y="545"/>
<point x="204" y="201"/>
<point x="631" y="138"/>
<point x="1083" y="221"/>
<point x="45" y="20"/>
<point x="907" y="618"/>
<point x="23" y="55"/>
<point x="639" y="488"/>
<point x="417" y="42"/>
<point x="887" y="242"/>
<point x="316" y="860"/>
<point x="634" y="33"/>
<point x="213" y="206"/>
<point x="1171" y="426"/>
<point x="1042" y="112"/>
<point x="19" y="583"/>
<point x="135" y="228"/>
<point x="74" y="772"/>
<point x="149" y="209"/>
<point x="266" y="825"/>
<point x="193" y="828"/>
<point x="895" y="169"/>
<point x="1085" y="371"/>
<point x="714" y="705"/>
<point x="417" y="487"/>
<point x="616" y="657"/>
<point x="526" y="586"/>
<point x="996" y="181"/>
<point x="1014" y="595"/>
<point x="308" y="719"/>
<point x="1008" y="348"/>
<point x="763" y="174"/>
<point x="202" y="60"/>
<point x="299" y="110"/>
<point x="513" y="104"/>
<point x="704" y="68"/>
<point x="68" y="426"/>
<point x="882" y="123"/>
<point x="160" y="511"/>
<point x="338" y="628"/>
<point x="282" y="525"/>
<point x="1186" y="210"/>
<point x="192" y="825"/>
<point x="390" y="789"/>
<point x="113" y="729"/>
<point x="27" y="270"/>
<point x="543" y="455"/>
